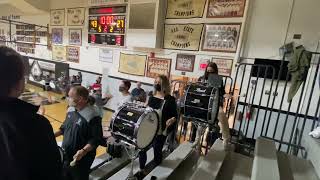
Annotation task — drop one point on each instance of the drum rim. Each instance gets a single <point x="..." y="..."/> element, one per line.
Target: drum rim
<point x="137" y="125"/>
<point x="139" y="122"/>
<point x="115" y="116"/>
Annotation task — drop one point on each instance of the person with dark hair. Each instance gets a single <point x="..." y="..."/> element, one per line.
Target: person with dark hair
<point x="27" y="141"/>
<point x="212" y="68"/>
<point x="82" y="133"/>
<point x="79" y="77"/>
<point x="166" y="106"/>
<point x="138" y="94"/>
<point x="125" y="95"/>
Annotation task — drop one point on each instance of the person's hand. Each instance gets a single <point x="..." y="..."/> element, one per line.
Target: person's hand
<point x="79" y="155"/>
<point x="227" y="96"/>
<point x="109" y="96"/>
<point x="41" y="110"/>
<point x="170" y="122"/>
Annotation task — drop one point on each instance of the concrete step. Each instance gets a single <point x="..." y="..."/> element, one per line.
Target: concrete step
<point x="100" y="160"/>
<point x="110" y="168"/>
<point x="186" y="169"/>
<point x="265" y="163"/>
<point x="300" y="169"/>
<point x="312" y="146"/>
<point x="284" y="168"/>
<point x="210" y="166"/>
<point x="170" y="163"/>
<point x="236" y="167"/>
<point x="124" y="172"/>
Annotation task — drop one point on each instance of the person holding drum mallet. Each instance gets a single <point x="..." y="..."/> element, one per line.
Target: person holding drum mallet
<point x="165" y="105"/>
<point x="82" y="133"/>
<point x="212" y="68"/>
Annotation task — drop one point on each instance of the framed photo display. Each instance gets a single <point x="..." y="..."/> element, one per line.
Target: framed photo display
<point x="221" y="37"/>
<point x="185" y="62"/>
<point x="224" y="66"/>
<point x="57" y="17"/>
<point x="158" y="66"/>
<point x="57" y="36"/>
<point x="75" y="37"/>
<point x="76" y="16"/>
<point x="73" y="54"/>
<point x="226" y="8"/>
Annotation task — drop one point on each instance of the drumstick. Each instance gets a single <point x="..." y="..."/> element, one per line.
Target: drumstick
<point x="73" y="163"/>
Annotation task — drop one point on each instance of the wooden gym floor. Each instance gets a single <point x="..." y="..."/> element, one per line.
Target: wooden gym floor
<point x="56" y="113"/>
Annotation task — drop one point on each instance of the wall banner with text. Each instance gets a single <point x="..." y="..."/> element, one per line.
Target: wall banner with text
<point x="184" y="9"/>
<point x="183" y="36"/>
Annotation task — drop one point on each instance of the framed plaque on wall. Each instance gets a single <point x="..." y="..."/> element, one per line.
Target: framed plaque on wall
<point x="221" y="37"/>
<point x="226" y="8"/>
<point x="185" y="62"/>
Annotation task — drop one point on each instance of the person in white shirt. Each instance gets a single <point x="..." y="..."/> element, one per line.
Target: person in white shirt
<point x="125" y="95"/>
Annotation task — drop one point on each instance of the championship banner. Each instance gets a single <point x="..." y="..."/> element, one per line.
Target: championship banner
<point x="57" y="17"/>
<point x="184" y="9"/>
<point x="132" y="64"/>
<point x="59" y="53"/>
<point x="76" y="16"/>
<point x="183" y="36"/>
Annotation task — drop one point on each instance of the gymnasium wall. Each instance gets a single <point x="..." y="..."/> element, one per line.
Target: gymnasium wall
<point x="269" y="24"/>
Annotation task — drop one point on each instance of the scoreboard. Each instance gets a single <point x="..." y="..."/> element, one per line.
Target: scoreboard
<point x="107" y="25"/>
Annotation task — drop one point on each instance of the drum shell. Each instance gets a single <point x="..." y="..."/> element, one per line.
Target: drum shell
<point x="126" y="127"/>
<point x="199" y="102"/>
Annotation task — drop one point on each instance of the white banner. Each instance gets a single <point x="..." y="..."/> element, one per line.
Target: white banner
<point x="106" y="55"/>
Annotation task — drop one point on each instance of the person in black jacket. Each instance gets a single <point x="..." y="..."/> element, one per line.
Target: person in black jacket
<point x="212" y="68"/>
<point x="166" y="107"/>
<point x="28" y="149"/>
<point x="82" y="133"/>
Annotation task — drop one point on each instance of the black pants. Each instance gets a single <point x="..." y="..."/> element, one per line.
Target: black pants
<point x="80" y="171"/>
<point x="157" y="145"/>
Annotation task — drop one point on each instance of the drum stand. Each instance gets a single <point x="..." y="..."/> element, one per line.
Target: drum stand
<point x="133" y="154"/>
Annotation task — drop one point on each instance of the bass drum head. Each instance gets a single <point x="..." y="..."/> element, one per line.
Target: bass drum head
<point x="147" y="130"/>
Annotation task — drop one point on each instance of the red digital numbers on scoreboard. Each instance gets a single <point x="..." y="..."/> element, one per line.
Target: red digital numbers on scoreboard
<point x="107" y="24"/>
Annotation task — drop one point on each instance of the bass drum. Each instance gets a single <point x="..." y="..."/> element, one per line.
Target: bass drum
<point x="135" y="125"/>
<point x="201" y="103"/>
